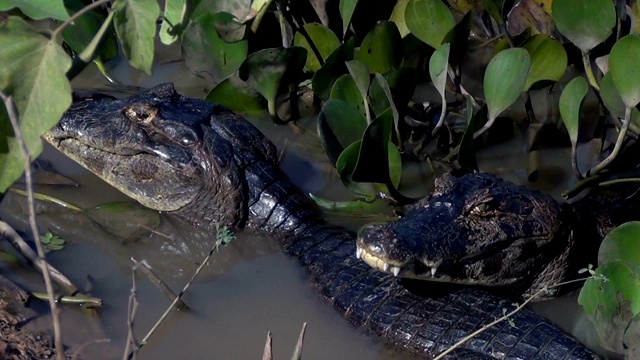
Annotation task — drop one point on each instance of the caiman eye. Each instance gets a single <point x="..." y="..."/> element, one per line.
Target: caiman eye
<point x="483" y="208"/>
<point x="141" y="113"/>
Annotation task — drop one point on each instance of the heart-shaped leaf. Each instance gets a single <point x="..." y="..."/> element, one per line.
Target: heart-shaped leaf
<point x="381" y="50"/>
<point x="429" y="20"/>
<point x="570" y="103"/>
<point x="623" y="66"/>
<point x="548" y="59"/>
<point x="585" y="23"/>
<point x="324" y="40"/>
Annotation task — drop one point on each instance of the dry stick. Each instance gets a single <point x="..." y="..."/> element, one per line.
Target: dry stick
<point x="166" y="290"/>
<point x="505" y="317"/>
<point x="11" y="112"/>
<point x="23" y="248"/>
<point x="131" y="314"/>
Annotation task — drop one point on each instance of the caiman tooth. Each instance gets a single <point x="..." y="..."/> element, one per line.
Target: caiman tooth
<point x="433" y="271"/>
<point x="385" y="267"/>
<point x="395" y="270"/>
<point x="359" y="253"/>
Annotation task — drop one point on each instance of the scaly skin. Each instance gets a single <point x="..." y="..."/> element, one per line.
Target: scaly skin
<point x="206" y="164"/>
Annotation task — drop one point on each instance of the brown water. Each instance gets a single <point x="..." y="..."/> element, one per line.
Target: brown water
<point x="249" y="288"/>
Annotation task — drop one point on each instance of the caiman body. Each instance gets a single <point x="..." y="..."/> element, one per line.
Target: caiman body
<point x="202" y="162"/>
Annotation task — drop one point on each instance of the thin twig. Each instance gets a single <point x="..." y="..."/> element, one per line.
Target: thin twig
<point x="505" y="317"/>
<point x="166" y="290"/>
<point x="13" y="118"/>
<point x="75" y="16"/>
<point x="83" y="346"/>
<point x="131" y="314"/>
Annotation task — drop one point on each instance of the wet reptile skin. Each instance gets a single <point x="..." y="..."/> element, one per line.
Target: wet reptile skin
<point x="231" y="175"/>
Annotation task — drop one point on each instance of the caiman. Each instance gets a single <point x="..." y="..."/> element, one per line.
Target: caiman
<point x="202" y="162"/>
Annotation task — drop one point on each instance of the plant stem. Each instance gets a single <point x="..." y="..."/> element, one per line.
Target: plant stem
<point x="13" y="118"/>
<point x="589" y="71"/>
<point x="616" y="149"/>
<point x="75" y="16"/>
<point x="505" y="317"/>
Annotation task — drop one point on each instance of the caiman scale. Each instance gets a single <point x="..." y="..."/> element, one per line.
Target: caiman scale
<point x="206" y="164"/>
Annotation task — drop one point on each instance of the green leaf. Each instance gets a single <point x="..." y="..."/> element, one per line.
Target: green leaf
<point x="339" y="125"/>
<point x="323" y="79"/>
<point x="323" y="38"/>
<point x="208" y="56"/>
<point x="381" y="50"/>
<point x="345" y="89"/>
<point x="347" y="8"/>
<point x="360" y="74"/>
<point x="438" y="65"/>
<point x="570" y="103"/>
<point x="135" y="24"/>
<point x="344" y="167"/>
<point x="33" y="72"/>
<point x="237" y="95"/>
<point x="612" y="100"/>
<point x="622" y="243"/>
<point x="397" y="16"/>
<point x="380" y="82"/>
<point x="78" y="35"/>
<point x="605" y="297"/>
<point x="585" y="23"/>
<point x="623" y="66"/>
<point x="37" y="9"/>
<point x="172" y="19"/>
<point x="504" y="80"/>
<point x="548" y="59"/>
<point x="354" y="206"/>
<point x="240" y="9"/>
<point x="229" y="28"/>
<point x="429" y="21"/>
<point x="373" y="164"/>
<point x="266" y="70"/>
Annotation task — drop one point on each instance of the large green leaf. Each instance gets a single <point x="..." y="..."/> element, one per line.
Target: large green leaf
<point x="548" y="59"/>
<point x="438" y="65"/>
<point x="135" y="24"/>
<point x="324" y="78"/>
<point x="237" y="95"/>
<point x="347" y="8"/>
<point x="504" y="80"/>
<point x="345" y="89"/>
<point x="208" y="56"/>
<point x="622" y="243"/>
<point x="324" y="40"/>
<point x="172" y="19"/>
<point x="585" y="23"/>
<point x="623" y="65"/>
<point x="570" y="103"/>
<point x="381" y="50"/>
<point x="33" y="72"/>
<point x="38" y="9"/>
<point x="429" y="20"/>
<point x="266" y="70"/>
<point x="606" y="297"/>
<point x="79" y="34"/>
<point x="612" y="100"/>
<point x="397" y="16"/>
<point x="339" y="125"/>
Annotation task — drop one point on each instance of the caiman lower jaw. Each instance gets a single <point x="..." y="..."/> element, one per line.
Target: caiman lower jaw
<point x="396" y="269"/>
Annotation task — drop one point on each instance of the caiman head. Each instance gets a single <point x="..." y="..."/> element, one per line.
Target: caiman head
<point x="169" y="152"/>
<point x="476" y="229"/>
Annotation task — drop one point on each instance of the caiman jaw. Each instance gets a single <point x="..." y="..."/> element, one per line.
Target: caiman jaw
<point x="396" y="269"/>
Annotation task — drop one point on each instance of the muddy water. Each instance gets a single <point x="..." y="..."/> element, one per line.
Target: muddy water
<point x="249" y="288"/>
